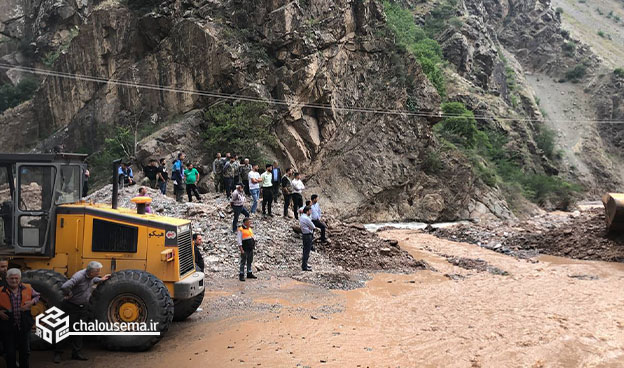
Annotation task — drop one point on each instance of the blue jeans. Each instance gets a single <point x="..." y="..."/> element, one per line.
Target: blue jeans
<point x="163" y="187"/>
<point x="255" y="194"/>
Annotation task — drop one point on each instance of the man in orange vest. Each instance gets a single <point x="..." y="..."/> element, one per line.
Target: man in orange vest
<point x="246" y="245"/>
<point x="16" y="321"/>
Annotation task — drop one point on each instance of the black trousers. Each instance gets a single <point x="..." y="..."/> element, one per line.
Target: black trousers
<point x="76" y="314"/>
<point x="237" y="211"/>
<point x="307" y="246"/>
<point x="322" y="226"/>
<point x="17" y="340"/>
<point x="297" y="203"/>
<point x="246" y="258"/>
<point x="190" y="190"/>
<point x="267" y="199"/>
<point x="276" y="191"/>
<point x="246" y="185"/>
<point x="287" y="199"/>
<point x="228" y="186"/>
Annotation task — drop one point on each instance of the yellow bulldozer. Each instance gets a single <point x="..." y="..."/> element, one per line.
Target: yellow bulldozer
<point x="614" y="211"/>
<point x="50" y="233"/>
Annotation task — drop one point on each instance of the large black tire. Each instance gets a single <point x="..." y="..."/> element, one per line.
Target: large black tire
<point x="150" y="295"/>
<point x="48" y="283"/>
<point x="182" y="309"/>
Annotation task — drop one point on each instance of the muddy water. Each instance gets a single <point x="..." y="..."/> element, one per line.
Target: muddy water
<point x="553" y="313"/>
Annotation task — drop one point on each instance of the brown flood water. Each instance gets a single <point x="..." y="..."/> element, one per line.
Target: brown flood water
<point x="554" y="313"/>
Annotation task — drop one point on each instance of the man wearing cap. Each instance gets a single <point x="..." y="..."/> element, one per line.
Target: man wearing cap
<point x="238" y="205"/>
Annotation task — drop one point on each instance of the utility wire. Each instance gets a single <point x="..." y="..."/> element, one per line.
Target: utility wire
<point x="157" y="87"/>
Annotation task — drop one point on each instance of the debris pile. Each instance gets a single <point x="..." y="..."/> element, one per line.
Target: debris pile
<point x="580" y="235"/>
<point x="278" y="248"/>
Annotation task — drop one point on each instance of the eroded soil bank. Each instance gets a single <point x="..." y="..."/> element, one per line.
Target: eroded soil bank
<point x="478" y="308"/>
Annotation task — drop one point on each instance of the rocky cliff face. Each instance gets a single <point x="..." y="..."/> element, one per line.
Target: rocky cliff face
<point x="368" y="166"/>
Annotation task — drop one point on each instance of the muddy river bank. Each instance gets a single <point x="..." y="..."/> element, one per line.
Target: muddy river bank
<point x="474" y="308"/>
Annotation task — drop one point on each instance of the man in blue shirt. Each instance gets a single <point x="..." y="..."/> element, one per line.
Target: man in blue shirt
<point x="307" y="231"/>
<point x="277" y="178"/>
<point x="315" y="215"/>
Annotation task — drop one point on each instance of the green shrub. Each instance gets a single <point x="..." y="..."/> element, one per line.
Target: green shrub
<point x="619" y="72"/>
<point x="441" y="17"/>
<point x="602" y="34"/>
<point x="576" y="73"/>
<point x="569" y="48"/>
<point x="239" y="128"/>
<point x="559" y="10"/>
<point x="545" y="141"/>
<point x="459" y="126"/>
<point x="432" y="164"/>
<point x="11" y="96"/>
<point x="413" y="38"/>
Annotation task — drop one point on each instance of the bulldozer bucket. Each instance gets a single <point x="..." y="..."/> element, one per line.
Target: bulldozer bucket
<point x="614" y="211"/>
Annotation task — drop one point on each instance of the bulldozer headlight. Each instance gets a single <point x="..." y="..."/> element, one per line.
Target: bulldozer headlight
<point x="184" y="228"/>
<point x="167" y="255"/>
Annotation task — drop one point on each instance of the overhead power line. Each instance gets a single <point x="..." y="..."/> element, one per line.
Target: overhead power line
<point x="237" y="97"/>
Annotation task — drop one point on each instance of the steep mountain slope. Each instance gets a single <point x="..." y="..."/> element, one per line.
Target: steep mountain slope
<point x="327" y="60"/>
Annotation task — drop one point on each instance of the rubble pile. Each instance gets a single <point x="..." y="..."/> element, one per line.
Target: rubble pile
<point x="580" y="235"/>
<point x="278" y="247"/>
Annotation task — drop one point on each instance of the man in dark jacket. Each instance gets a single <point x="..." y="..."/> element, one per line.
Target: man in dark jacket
<point x="16" y="321"/>
<point x="277" y="178"/>
<point x="162" y="176"/>
<point x="177" y="175"/>
<point x="199" y="259"/>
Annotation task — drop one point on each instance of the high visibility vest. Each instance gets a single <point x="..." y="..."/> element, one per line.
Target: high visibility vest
<point x="246" y="232"/>
<point x="5" y="300"/>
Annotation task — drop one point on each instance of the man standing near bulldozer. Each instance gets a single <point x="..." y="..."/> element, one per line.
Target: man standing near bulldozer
<point x="77" y="291"/>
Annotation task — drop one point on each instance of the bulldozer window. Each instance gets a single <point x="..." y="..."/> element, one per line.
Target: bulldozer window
<point x="69" y="185"/>
<point x="113" y="237"/>
<point x="35" y="187"/>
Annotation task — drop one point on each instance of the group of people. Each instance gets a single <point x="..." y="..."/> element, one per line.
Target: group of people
<point x="184" y="176"/>
<point x="18" y="298"/>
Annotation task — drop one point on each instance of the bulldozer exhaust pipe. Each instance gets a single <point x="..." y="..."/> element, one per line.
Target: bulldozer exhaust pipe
<point x="115" y="198"/>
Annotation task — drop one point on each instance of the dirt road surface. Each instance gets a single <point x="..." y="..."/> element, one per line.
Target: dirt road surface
<point x="477" y="309"/>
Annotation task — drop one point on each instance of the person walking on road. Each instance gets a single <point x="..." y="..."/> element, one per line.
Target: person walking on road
<point x="16" y="320"/>
<point x="238" y="205"/>
<point x="307" y="231"/>
<point x="297" y="193"/>
<point x="315" y="215"/>
<point x="77" y="291"/>
<point x="177" y="174"/>
<point x="267" y="189"/>
<point x="286" y="185"/>
<point x="192" y="178"/>
<point x="254" y="187"/>
<point x="246" y="245"/>
<point x="244" y="171"/>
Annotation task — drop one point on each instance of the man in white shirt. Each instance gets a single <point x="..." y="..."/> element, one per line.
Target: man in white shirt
<point x="297" y="192"/>
<point x="254" y="187"/>
<point x="267" y="189"/>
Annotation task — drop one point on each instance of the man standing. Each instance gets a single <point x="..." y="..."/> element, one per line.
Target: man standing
<point x="177" y="174"/>
<point x="237" y="166"/>
<point x="85" y="185"/>
<point x="275" y="180"/>
<point x="238" y="205"/>
<point x="244" y="170"/>
<point x="4" y="267"/>
<point x="246" y="245"/>
<point x="315" y="215"/>
<point x="77" y="291"/>
<point x="199" y="259"/>
<point x="192" y="177"/>
<point x="162" y="177"/>
<point x="307" y="231"/>
<point x="287" y="190"/>
<point x="16" y="321"/>
<point x="151" y="171"/>
<point x="229" y="171"/>
<point x="297" y="193"/>
<point x="267" y="189"/>
<point x="217" y="171"/>
<point x="254" y="187"/>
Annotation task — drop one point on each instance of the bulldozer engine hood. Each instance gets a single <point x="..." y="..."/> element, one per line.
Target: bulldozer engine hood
<point x="166" y="227"/>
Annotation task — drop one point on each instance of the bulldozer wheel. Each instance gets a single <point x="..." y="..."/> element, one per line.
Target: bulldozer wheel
<point x="48" y="283"/>
<point x="132" y="296"/>
<point x="182" y="309"/>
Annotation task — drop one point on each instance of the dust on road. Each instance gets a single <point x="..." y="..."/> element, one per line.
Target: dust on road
<point x="552" y="313"/>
